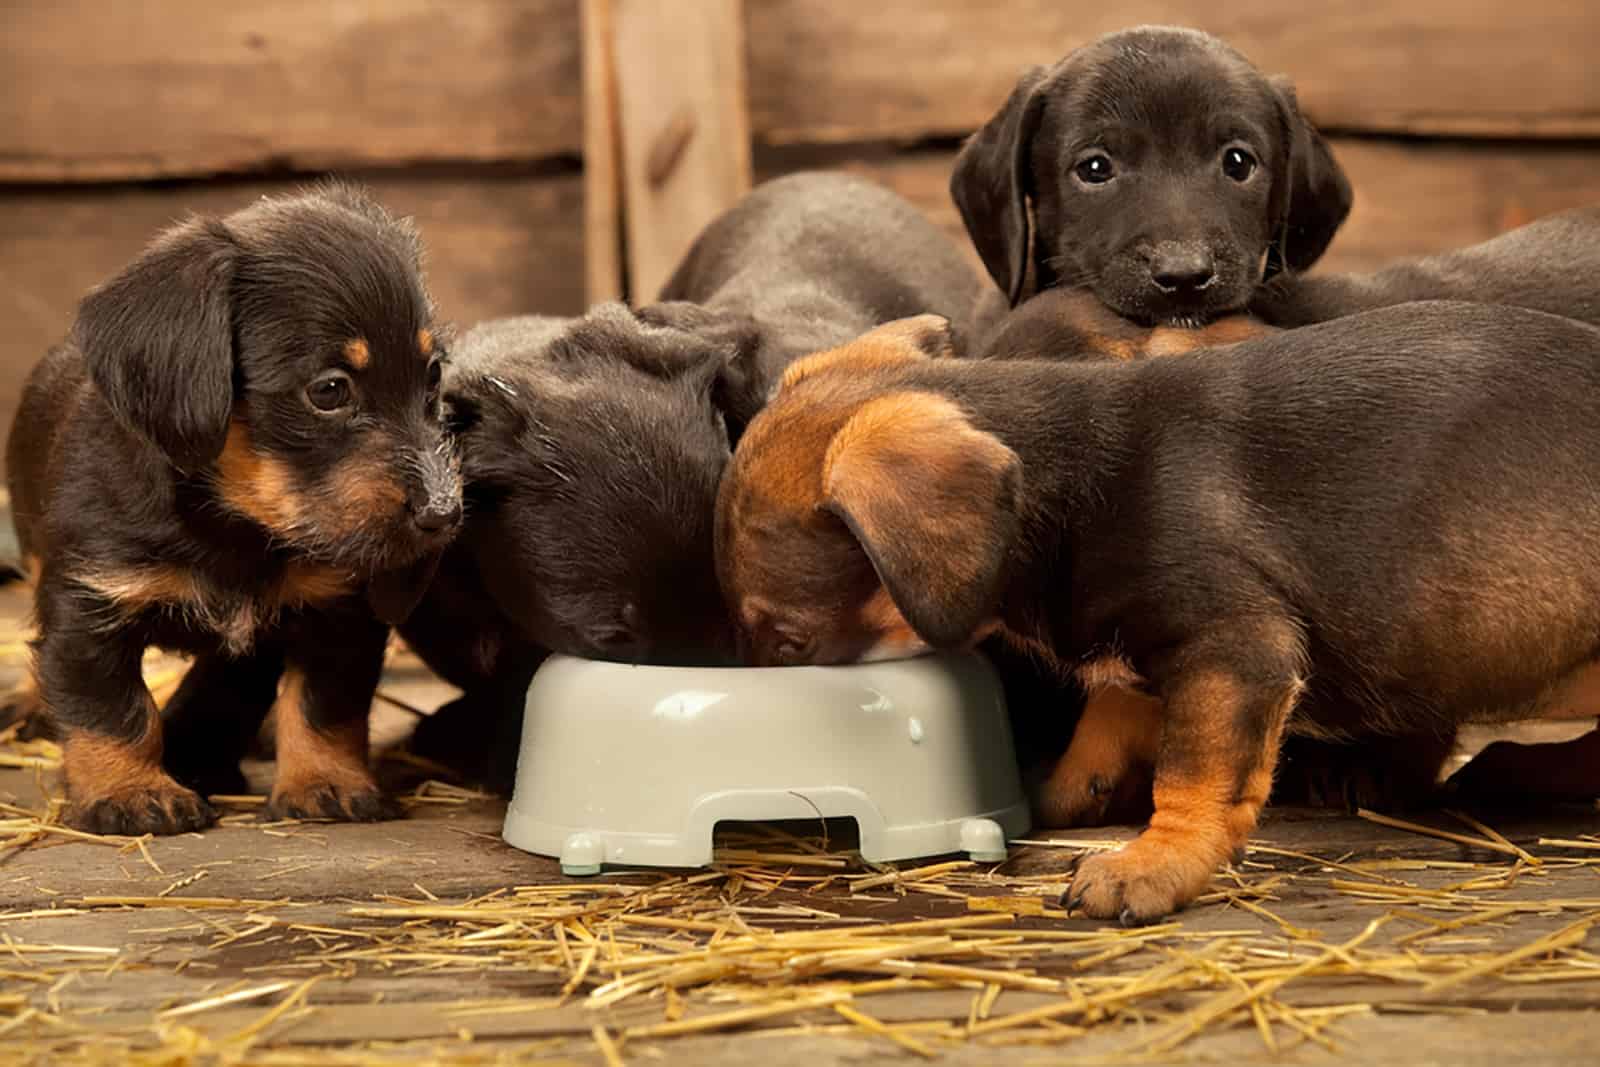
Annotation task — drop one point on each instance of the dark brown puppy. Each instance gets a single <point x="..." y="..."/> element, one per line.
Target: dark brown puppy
<point x="1550" y="264"/>
<point x="236" y="453"/>
<point x="1155" y="167"/>
<point x="806" y="262"/>
<point x="1265" y="536"/>
<point x="591" y="451"/>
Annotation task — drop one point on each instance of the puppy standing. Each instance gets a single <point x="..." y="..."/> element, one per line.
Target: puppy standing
<point x="240" y="439"/>
<point x="804" y="263"/>
<point x="1156" y="168"/>
<point x="1367" y="526"/>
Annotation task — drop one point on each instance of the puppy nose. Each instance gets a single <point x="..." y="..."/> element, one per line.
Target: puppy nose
<point x="432" y="516"/>
<point x="1176" y="269"/>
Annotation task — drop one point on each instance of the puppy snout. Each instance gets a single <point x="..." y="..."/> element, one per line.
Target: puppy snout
<point x="1181" y="268"/>
<point x="434" y="496"/>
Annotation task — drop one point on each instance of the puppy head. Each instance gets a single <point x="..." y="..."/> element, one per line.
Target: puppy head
<point x="287" y="354"/>
<point x="864" y="517"/>
<point x="592" y="451"/>
<point x="1159" y="169"/>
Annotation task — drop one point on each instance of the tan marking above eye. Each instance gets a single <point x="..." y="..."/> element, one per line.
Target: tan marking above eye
<point x="357" y="354"/>
<point x="425" y="341"/>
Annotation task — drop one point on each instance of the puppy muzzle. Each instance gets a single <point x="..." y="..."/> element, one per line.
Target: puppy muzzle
<point x="433" y="493"/>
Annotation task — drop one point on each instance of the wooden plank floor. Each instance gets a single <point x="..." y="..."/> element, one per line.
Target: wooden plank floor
<point x="258" y="910"/>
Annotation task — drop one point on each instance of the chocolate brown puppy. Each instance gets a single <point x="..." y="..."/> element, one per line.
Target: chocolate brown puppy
<point x="591" y="451"/>
<point x="237" y="454"/>
<point x="806" y="262"/>
<point x="1367" y="526"/>
<point x="1156" y="168"/>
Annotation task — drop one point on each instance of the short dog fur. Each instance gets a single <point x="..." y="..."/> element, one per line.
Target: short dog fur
<point x="1265" y="536"/>
<point x="1155" y="167"/>
<point x="237" y="454"/>
<point x="591" y="451"/>
<point x="806" y="262"/>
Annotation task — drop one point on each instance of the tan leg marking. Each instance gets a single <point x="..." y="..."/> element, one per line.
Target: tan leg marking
<point x="322" y="772"/>
<point x="1109" y="760"/>
<point x="1209" y="791"/>
<point x="119" y="787"/>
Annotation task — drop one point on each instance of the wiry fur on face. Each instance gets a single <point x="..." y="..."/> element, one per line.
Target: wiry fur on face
<point x="1156" y="167"/>
<point x="592" y="452"/>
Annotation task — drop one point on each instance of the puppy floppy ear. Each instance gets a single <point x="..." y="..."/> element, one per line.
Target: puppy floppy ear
<point x="1313" y="199"/>
<point x="901" y="341"/>
<point x="934" y="502"/>
<point x="990" y="184"/>
<point x="734" y="337"/>
<point x="158" y="341"/>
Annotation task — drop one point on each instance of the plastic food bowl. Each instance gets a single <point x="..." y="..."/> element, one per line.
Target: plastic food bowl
<point x="637" y="765"/>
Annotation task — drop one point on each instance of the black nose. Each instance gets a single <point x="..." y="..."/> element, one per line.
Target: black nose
<point x="431" y="516"/>
<point x="1179" y="269"/>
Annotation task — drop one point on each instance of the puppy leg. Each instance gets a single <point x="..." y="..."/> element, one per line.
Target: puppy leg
<point x="212" y="718"/>
<point x="111" y="739"/>
<point x="1106" y="768"/>
<point x="1552" y="771"/>
<point x="1219" y="741"/>
<point x="321" y="712"/>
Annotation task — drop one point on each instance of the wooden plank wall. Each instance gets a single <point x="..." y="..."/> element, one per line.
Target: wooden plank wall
<point x="1455" y="120"/>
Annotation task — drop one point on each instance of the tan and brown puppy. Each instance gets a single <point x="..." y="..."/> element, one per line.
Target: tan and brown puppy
<point x="1361" y="527"/>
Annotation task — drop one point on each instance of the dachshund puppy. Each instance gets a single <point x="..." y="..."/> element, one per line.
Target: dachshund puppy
<point x="1549" y="264"/>
<point x="804" y="263"/>
<point x="237" y="454"/>
<point x="1366" y="526"/>
<point x="591" y="451"/>
<point x="1156" y="168"/>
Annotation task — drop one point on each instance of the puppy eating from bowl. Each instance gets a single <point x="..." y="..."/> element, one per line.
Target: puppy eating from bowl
<point x="1369" y="526"/>
<point x="237" y="454"/>
<point x="1156" y="168"/>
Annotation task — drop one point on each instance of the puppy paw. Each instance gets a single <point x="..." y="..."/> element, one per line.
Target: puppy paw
<point x="1140" y="883"/>
<point x="163" y="808"/>
<point x="339" y="801"/>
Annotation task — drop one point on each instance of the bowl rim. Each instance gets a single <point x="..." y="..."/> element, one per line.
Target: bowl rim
<point x="833" y="668"/>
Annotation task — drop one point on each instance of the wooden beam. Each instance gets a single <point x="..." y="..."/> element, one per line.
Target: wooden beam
<point x="685" y="127"/>
<point x="602" y="183"/>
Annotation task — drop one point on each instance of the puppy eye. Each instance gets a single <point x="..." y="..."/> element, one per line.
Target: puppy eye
<point x="330" y="392"/>
<point x="1238" y="164"/>
<point x="1094" y="170"/>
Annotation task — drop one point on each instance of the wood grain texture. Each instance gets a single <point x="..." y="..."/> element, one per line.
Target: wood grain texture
<point x="680" y="92"/>
<point x="495" y="246"/>
<point x="602" y="180"/>
<point x="829" y="71"/>
<point x="96" y="91"/>
<point x="93" y="90"/>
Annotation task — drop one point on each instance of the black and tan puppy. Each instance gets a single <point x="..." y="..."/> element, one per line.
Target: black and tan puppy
<point x="806" y="262"/>
<point x="591" y="451"/>
<point x="1371" y="525"/>
<point x="1155" y="167"/>
<point x="237" y="454"/>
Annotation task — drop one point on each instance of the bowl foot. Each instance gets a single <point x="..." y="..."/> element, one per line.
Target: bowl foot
<point x="582" y="855"/>
<point x="983" y="840"/>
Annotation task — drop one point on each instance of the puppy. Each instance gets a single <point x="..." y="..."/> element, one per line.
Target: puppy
<point x="1264" y="536"/>
<point x="804" y="263"/>
<point x="1156" y="168"/>
<point x="591" y="451"/>
<point x="1549" y="264"/>
<point x="237" y="454"/>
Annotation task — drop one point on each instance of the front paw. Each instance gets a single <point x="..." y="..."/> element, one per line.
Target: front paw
<point x="339" y="801"/>
<point x="162" y="808"/>
<point x="1142" y="882"/>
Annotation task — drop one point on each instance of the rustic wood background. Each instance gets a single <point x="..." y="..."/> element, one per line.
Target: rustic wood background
<point x="1455" y="121"/>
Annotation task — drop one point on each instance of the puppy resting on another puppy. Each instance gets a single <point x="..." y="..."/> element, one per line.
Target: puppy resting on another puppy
<point x="1156" y="168"/>
<point x="237" y="454"/>
<point x="1365" y="526"/>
